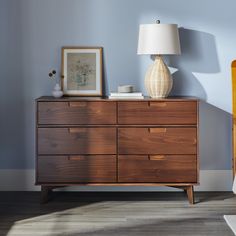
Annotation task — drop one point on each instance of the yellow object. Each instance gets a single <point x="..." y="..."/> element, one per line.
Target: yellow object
<point x="234" y="114"/>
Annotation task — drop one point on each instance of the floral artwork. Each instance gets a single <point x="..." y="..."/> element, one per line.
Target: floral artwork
<point x="82" y="71"/>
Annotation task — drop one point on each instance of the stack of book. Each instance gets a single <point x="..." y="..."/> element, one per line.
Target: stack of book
<point x="133" y="95"/>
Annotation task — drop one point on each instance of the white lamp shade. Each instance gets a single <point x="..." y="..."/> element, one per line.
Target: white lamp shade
<point x="159" y="39"/>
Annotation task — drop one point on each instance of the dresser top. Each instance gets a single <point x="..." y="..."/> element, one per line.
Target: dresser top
<point x="106" y="99"/>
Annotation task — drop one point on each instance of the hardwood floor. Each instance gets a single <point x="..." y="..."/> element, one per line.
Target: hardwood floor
<point x="116" y="213"/>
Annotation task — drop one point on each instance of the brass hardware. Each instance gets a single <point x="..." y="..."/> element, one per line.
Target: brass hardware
<point x="157" y="104"/>
<point x="76" y="158"/>
<point x="156" y="158"/>
<point x="157" y="130"/>
<point x="76" y="130"/>
<point x="77" y="104"/>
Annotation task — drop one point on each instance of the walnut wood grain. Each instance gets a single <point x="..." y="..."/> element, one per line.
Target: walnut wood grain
<point x="190" y="194"/>
<point x="81" y="169"/>
<point x="116" y="184"/>
<point x="165" y="169"/>
<point x="188" y="189"/>
<point x="167" y="141"/>
<point x="157" y="112"/>
<point x="79" y="138"/>
<point x="76" y="113"/>
<point x="105" y="99"/>
<point x="76" y="141"/>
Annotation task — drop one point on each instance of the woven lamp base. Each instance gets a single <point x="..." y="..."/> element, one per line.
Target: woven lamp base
<point x="158" y="80"/>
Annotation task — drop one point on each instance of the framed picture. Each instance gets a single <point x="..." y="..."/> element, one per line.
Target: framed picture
<point x="82" y="71"/>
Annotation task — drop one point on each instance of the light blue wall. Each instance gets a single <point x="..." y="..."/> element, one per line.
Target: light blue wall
<point x="32" y="33"/>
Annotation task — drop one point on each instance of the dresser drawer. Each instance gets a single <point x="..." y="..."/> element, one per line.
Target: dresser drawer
<point x="157" y="169"/>
<point x="73" y="113"/>
<point x="76" y="141"/>
<point x="157" y="140"/>
<point x="76" y="169"/>
<point x="157" y="112"/>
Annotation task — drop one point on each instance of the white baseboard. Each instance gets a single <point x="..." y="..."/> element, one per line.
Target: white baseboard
<point x="23" y="180"/>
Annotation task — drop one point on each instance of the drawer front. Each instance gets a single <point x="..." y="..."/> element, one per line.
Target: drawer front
<point x="157" y="112"/>
<point x="157" y="169"/>
<point x="73" y="113"/>
<point x="76" y="169"/>
<point x="157" y="141"/>
<point x="76" y="141"/>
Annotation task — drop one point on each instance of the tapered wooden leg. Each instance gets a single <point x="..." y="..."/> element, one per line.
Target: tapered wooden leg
<point x="45" y="194"/>
<point x="190" y="194"/>
<point x="188" y="190"/>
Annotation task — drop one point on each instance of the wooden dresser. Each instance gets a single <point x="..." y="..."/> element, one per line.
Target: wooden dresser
<point x="97" y="141"/>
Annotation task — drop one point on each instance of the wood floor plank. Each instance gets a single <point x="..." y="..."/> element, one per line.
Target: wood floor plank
<point x="116" y="214"/>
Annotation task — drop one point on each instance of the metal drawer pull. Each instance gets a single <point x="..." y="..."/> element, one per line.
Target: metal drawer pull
<point x="157" y="130"/>
<point x="156" y="158"/>
<point x="77" y="104"/>
<point x="76" y="130"/>
<point x="76" y="158"/>
<point x="157" y="104"/>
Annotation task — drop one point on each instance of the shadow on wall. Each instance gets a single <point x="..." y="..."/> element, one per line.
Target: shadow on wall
<point x="105" y="84"/>
<point x="198" y="54"/>
<point x="215" y="138"/>
<point x="13" y="115"/>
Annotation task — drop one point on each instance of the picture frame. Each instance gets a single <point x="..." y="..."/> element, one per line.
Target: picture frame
<point x="81" y="69"/>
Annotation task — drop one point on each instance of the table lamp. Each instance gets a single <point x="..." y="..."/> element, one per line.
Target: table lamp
<point x="158" y="39"/>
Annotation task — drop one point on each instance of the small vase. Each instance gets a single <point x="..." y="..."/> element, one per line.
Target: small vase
<point x="57" y="92"/>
